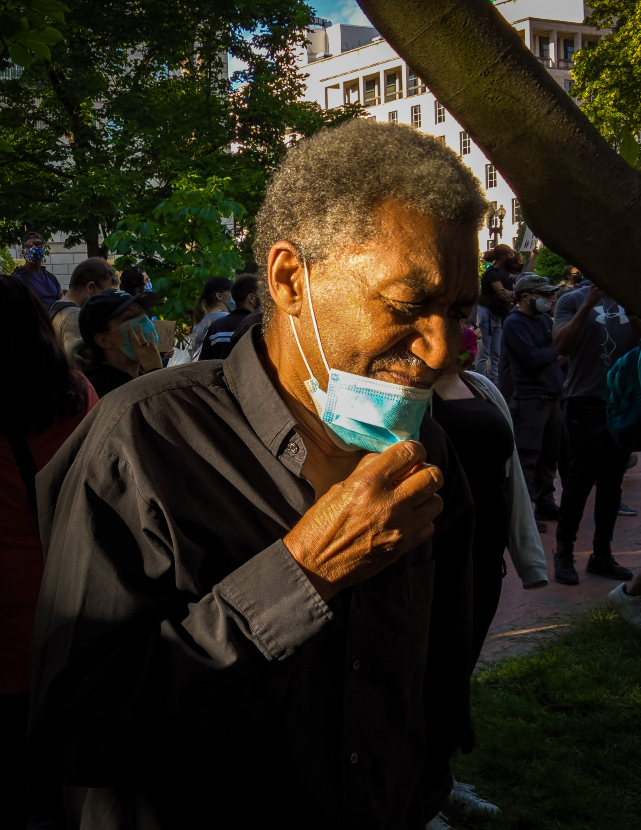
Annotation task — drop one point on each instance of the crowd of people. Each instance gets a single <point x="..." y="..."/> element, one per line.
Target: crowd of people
<point x="550" y="356"/>
<point x="275" y="572"/>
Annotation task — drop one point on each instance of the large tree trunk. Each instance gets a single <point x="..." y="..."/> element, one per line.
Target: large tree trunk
<point x="577" y="194"/>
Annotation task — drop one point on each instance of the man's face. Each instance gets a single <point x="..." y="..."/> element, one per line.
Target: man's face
<point x="33" y="242"/>
<point x="114" y="338"/>
<point x="392" y="309"/>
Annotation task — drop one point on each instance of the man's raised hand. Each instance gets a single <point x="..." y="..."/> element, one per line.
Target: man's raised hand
<point x="363" y="524"/>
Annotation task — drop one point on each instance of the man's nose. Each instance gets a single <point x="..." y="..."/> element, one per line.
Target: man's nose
<point x="434" y="343"/>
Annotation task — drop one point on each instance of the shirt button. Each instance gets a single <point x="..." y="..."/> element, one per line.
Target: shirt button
<point x="292" y="447"/>
<point x="353" y="757"/>
<point x="357" y="665"/>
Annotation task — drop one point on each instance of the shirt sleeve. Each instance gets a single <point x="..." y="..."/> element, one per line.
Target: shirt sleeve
<point x="566" y="307"/>
<point x="128" y="655"/>
<point x="519" y="341"/>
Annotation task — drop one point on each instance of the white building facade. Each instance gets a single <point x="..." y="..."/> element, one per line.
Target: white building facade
<point x="348" y="64"/>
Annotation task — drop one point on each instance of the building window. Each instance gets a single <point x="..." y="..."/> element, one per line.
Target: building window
<point x="351" y="93"/>
<point x="416" y="116"/>
<point x="466" y="144"/>
<point x="516" y="212"/>
<point x="393" y="85"/>
<point x="414" y="84"/>
<point x="493" y="207"/>
<point x="568" y="49"/>
<point x="490" y="176"/>
<point x="372" y="97"/>
<point x="393" y="116"/>
<point x="567" y="85"/>
<point x="440" y="139"/>
<point x="544" y="47"/>
<point x="490" y="244"/>
<point x="439" y="113"/>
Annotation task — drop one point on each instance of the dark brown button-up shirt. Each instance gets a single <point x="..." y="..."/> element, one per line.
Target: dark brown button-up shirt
<point x="187" y="672"/>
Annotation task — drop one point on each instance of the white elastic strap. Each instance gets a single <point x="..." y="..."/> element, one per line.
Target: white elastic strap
<point x="302" y="353"/>
<point x="311" y="308"/>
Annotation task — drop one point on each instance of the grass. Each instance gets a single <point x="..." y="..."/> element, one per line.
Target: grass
<point x="559" y="733"/>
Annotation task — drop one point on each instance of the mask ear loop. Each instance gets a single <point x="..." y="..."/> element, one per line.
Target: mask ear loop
<point x="318" y="340"/>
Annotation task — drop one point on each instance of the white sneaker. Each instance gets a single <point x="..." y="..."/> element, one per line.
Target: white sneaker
<point x="439" y="822"/>
<point x="628" y="607"/>
<point x="463" y="795"/>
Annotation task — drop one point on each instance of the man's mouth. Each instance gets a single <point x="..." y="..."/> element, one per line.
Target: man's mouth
<point x="403" y="378"/>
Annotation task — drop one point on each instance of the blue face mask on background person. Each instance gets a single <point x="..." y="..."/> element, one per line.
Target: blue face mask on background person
<point x="360" y="413"/>
<point x="231" y="304"/>
<point x="147" y="326"/>
<point x="148" y="286"/>
<point x="34" y="254"/>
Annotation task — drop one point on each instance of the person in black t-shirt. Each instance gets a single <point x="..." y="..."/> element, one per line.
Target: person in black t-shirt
<point x="245" y="292"/>
<point x="496" y="300"/>
<point x="119" y="340"/>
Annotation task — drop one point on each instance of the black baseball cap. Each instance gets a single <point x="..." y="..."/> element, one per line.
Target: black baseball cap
<point x="100" y="308"/>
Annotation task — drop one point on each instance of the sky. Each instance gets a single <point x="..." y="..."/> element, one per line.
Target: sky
<point x="338" y="11"/>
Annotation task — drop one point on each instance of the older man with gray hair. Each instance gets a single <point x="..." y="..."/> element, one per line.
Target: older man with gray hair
<point x="256" y="608"/>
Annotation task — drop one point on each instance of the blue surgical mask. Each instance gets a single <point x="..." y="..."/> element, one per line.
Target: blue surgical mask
<point x="147" y="326"/>
<point x="360" y="413"/>
<point x="148" y="286"/>
<point x="34" y="254"/>
<point x="231" y="304"/>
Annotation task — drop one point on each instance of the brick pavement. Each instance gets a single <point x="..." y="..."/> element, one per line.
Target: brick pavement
<point x="525" y="618"/>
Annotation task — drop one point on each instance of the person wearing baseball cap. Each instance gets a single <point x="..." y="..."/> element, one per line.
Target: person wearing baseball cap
<point x="119" y="340"/>
<point x="537" y="380"/>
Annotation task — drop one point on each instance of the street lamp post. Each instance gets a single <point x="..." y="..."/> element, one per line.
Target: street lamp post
<point x="496" y="228"/>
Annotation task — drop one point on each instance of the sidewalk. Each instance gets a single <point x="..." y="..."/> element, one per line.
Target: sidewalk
<point x="526" y="617"/>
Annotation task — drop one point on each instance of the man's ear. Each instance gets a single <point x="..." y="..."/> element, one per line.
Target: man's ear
<point x="91" y="288"/>
<point x="102" y="340"/>
<point x="286" y="277"/>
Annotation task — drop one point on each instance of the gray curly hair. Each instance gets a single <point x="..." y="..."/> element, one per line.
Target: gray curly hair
<point x="325" y="191"/>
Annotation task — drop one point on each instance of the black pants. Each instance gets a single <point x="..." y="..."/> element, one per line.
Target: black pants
<point x="592" y="458"/>
<point x="538" y="425"/>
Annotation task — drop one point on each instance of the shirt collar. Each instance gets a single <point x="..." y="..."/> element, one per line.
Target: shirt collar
<point x="261" y="404"/>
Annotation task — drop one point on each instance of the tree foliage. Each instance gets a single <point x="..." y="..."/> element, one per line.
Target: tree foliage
<point x="25" y="32"/>
<point x="608" y="76"/>
<point x="550" y="265"/>
<point x="182" y="242"/>
<point x="135" y="97"/>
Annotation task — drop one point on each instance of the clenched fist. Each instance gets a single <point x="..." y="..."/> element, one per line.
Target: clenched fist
<point x="365" y="523"/>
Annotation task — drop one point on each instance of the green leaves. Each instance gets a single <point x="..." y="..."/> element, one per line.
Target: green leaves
<point x="608" y="75"/>
<point x="135" y="98"/>
<point x="24" y="29"/>
<point x="629" y="148"/>
<point x="183" y="243"/>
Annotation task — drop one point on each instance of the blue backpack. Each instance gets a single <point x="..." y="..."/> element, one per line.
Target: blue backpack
<point x="623" y="402"/>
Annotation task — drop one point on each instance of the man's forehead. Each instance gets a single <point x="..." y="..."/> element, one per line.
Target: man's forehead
<point x="454" y="283"/>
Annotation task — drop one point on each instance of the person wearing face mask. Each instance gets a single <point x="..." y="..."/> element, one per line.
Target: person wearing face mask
<point x="214" y="303"/>
<point x="245" y="292"/>
<point x="537" y="383"/>
<point x="119" y="340"/>
<point x="248" y="566"/>
<point x="34" y="274"/>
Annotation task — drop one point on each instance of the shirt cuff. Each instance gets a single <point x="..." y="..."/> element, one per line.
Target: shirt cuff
<point x="280" y="604"/>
